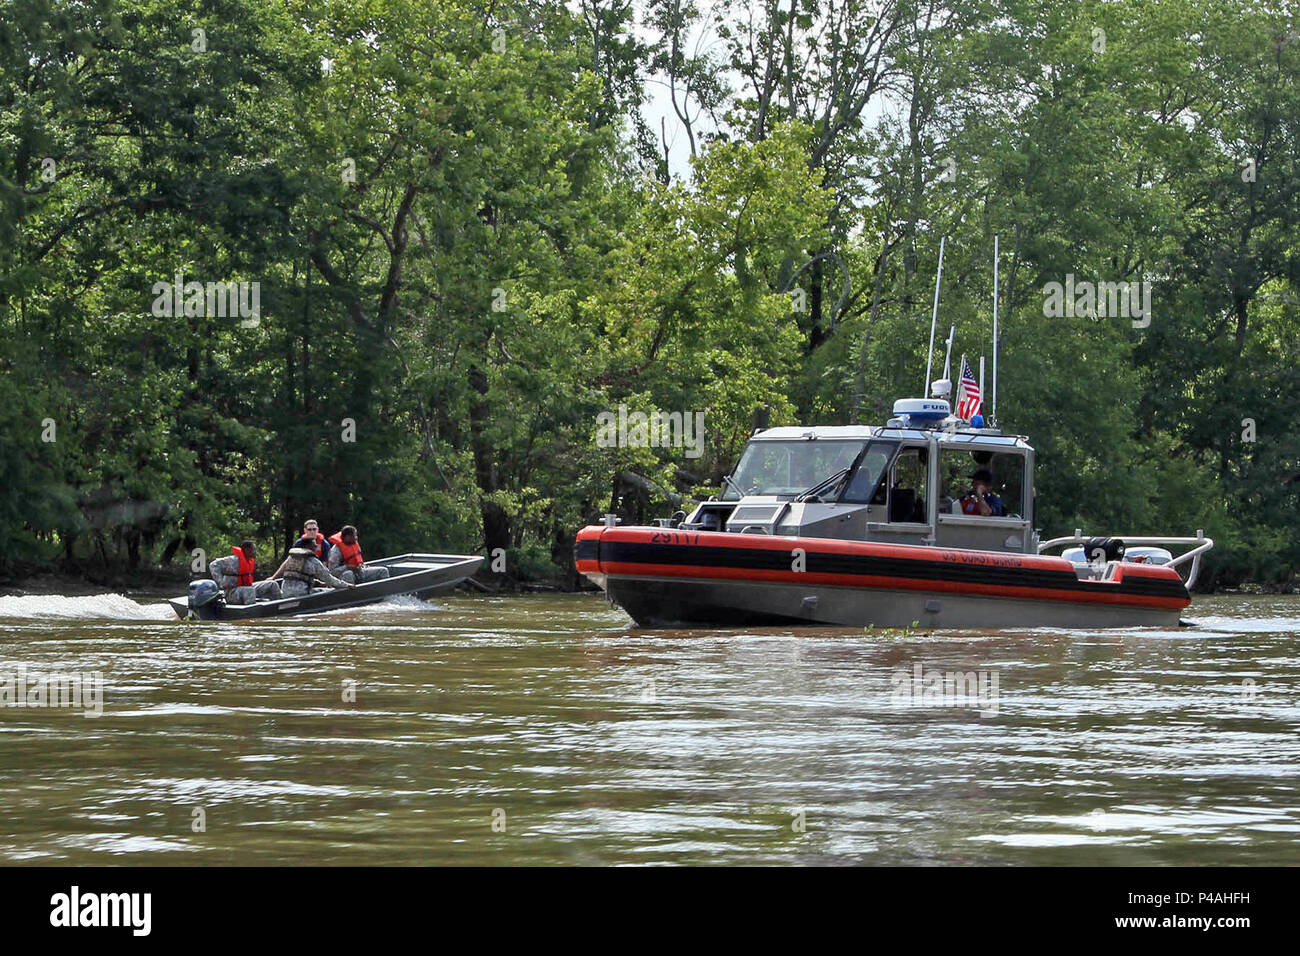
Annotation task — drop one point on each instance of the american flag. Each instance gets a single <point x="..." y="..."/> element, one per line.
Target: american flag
<point x="968" y="393"/>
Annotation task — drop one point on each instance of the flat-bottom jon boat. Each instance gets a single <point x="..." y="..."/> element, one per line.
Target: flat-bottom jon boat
<point x="868" y="526"/>
<point x="423" y="575"/>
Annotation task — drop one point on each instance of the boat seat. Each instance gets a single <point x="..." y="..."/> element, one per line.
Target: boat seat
<point x="902" y="502"/>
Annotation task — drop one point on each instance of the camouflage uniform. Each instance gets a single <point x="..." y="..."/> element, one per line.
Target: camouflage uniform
<point x="299" y="571"/>
<point x="225" y="571"/>
<point x="368" y="572"/>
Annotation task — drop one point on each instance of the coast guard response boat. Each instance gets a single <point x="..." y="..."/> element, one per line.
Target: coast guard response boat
<point x="859" y="525"/>
<point x="881" y="526"/>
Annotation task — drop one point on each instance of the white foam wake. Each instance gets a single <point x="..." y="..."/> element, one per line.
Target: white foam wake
<point x="396" y="603"/>
<point x="117" y="607"/>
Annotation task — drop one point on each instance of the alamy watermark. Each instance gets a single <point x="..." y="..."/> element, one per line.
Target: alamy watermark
<point x="74" y="909"/>
<point x="624" y="429"/>
<point x="83" y="689"/>
<point x="1084" y="299"/>
<point x="934" y="687"/>
<point x="220" y="300"/>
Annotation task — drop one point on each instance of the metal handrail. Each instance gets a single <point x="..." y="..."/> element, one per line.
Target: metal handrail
<point x="1202" y="543"/>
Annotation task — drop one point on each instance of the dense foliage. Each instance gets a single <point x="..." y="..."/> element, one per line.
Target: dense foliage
<point x="470" y="238"/>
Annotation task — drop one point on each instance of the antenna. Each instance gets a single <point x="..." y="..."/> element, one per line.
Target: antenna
<point x="947" y="359"/>
<point x="994" y="422"/>
<point x="934" y="317"/>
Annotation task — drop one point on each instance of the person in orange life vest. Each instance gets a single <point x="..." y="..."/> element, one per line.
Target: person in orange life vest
<point x="234" y="575"/>
<point x="301" y="568"/>
<point x="980" y="500"/>
<point x="346" y="561"/>
<point x="311" y="530"/>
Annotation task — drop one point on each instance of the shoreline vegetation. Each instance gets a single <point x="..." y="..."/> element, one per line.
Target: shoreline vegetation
<point x="413" y="266"/>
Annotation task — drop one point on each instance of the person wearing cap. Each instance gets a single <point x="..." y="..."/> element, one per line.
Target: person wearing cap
<point x="301" y="568"/>
<point x="980" y="500"/>
<point x="234" y="575"/>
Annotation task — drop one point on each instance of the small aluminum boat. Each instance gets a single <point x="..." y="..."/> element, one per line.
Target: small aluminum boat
<point x="865" y="526"/>
<point x="420" y="574"/>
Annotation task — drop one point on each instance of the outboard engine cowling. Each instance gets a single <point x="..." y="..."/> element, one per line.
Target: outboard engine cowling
<point x="1110" y="549"/>
<point x="203" y="592"/>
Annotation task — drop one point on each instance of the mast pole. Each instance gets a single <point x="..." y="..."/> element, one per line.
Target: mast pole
<point x="934" y="318"/>
<point x="994" y="422"/>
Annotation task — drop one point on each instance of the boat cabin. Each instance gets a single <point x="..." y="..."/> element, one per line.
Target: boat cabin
<point x="895" y="484"/>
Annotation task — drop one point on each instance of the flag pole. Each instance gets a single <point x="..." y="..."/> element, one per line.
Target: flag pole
<point x="982" y="393"/>
<point x="994" y="420"/>
<point x="959" y="397"/>
<point x="934" y="317"/>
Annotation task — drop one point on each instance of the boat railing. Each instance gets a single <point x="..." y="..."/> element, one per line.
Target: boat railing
<point x="1199" y="545"/>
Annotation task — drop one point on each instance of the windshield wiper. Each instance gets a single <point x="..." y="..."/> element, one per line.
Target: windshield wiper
<point x="740" y="491"/>
<point x="804" y="495"/>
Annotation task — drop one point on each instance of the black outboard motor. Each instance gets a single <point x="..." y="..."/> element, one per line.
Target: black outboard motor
<point x="1108" y="549"/>
<point x="204" y="592"/>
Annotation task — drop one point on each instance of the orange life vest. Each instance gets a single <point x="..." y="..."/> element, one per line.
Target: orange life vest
<point x="320" y="545"/>
<point x="351" y="553"/>
<point x="246" y="567"/>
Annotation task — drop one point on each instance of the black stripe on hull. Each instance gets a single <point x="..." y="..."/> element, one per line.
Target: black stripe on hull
<point x="869" y="565"/>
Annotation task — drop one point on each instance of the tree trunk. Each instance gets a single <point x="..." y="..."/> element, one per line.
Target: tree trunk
<point x="496" y="523"/>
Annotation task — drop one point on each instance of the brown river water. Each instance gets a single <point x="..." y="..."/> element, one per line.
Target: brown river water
<point x="545" y="730"/>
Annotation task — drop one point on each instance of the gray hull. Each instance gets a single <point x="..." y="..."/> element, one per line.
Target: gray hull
<point x="420" y="574"/>
<point x="676" y="602"/>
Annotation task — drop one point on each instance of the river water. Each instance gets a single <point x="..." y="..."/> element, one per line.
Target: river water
<point x="545" y="730"/>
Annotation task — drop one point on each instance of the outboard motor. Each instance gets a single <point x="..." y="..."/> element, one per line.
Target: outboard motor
<point x="1104" y="549"/>
<point x="203" y="592"/>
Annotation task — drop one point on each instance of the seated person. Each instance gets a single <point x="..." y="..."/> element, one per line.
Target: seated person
<point x="980" y="500"/>
<point x="346" y="561"/>
<point x="301" y="568"/>
<point x="311" y="530"/>
<point x="234" y="575"/>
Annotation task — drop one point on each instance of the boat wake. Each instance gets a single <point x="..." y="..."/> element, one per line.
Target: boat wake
<point x="114" y="607"/>
<point x="395" y="603"/>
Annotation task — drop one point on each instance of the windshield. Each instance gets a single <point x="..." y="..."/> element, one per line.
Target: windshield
<point x="864" y="481"/>
<point x="788" y="467"/>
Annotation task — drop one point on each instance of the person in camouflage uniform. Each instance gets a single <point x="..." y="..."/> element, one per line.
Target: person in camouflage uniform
<point x="234" y="575"/>
<point x="301" y="568"/>
<point x="345" y="559"/>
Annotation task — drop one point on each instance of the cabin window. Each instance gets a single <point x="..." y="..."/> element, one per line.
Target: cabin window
<point x="865" y="485"/>
<point x="908" y="485"/>
<point x="1006" y="470"/>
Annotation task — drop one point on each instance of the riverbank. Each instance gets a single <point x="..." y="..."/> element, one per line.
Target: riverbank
<point x="18" y="580"/>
